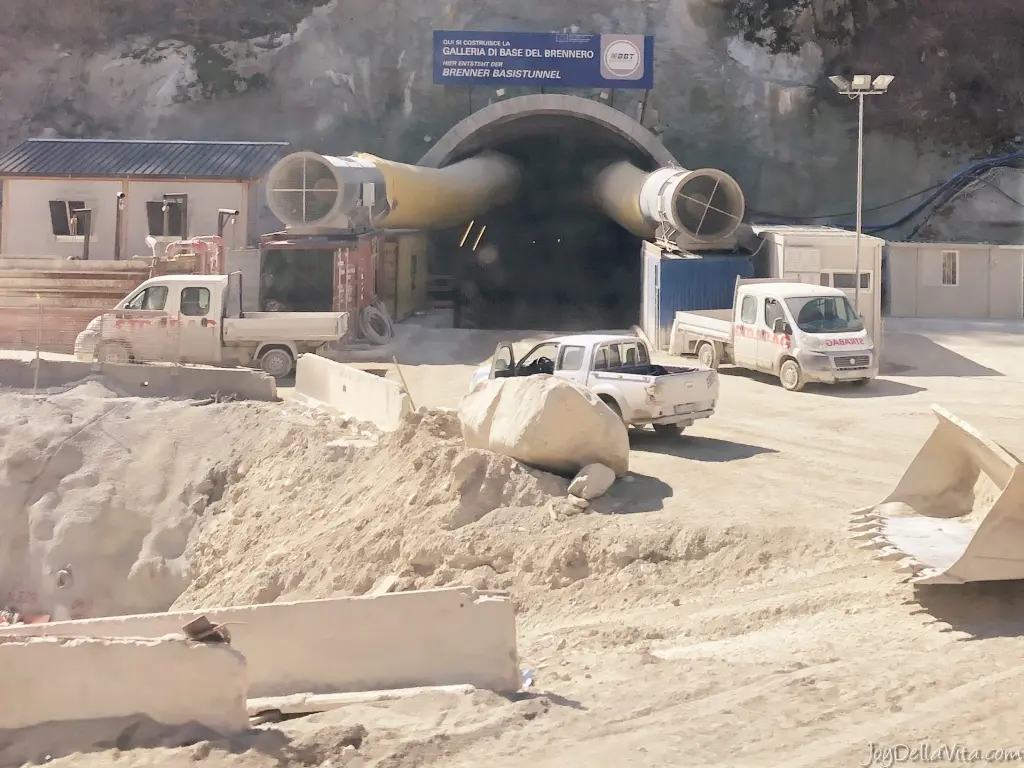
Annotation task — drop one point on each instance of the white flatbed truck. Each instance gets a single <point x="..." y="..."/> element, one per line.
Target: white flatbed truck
<point x="198" y="319"/>
<point x="796" y="331"/>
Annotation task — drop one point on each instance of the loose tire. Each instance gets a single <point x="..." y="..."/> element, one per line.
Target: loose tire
<point x="375" y="325"/>
<point x="277" y="362"/>
<point x="707" y="355"/>
<point x="113" y="352"/>
<point x="790" y="375"/>
<point x="668" y="430"/>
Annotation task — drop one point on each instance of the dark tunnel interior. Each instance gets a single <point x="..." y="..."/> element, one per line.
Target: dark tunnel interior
<point x="549" y="259"/>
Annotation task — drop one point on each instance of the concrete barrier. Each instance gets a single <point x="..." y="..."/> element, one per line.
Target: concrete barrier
<point x="348" y="390"/>
<point x="141" y="380"/>
<point x="170" y="680"/>
<point x="404" y="640"/>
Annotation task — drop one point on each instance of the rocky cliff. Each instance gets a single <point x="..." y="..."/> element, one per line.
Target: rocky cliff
<point x="740" y="83"/>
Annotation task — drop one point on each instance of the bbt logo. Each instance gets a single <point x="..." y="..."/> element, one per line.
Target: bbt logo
<point x="622" y="57"/>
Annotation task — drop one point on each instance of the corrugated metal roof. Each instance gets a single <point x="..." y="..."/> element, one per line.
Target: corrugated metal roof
<point x="120" y="158"/>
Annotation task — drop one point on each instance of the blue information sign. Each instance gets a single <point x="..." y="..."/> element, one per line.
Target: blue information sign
<point x="553" y="59"/>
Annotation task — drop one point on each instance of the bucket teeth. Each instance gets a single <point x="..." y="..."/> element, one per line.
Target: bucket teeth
<point x="864" y="516"/>
<point x="909" y="565"/>
<point x="866" y="535"/>
<point x="890" y="553"/>
<point x="876" y="542"/>
<point x="869" y="526"/>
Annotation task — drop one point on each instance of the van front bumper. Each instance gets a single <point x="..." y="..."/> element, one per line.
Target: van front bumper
<point x="837" y="367"/>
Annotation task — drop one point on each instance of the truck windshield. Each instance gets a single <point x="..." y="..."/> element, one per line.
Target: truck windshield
<point x="824" y="314"/>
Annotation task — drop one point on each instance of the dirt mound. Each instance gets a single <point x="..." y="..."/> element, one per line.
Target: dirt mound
<point x="307" y="519"/>
<point x="100" y="494"/>
<point x="112" y="505"/>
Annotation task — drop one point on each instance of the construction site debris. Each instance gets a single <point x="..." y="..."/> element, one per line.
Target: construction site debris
<point x="202" y="630"/>
<point x="592" y="481"/>
<point x="545" y="422"/>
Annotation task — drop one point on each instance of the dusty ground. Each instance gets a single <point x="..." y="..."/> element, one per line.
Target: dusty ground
<point x="716" y="614"/>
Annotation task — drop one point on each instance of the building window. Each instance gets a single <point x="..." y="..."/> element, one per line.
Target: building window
<point x="161" y="226"/>
<point x="63" y="220"/>
<point x="845" y="280"/>
<point x="950" y="267"/>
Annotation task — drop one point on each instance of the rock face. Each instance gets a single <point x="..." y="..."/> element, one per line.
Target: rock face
<point x="547" y="423"/>
<point x="358" y="76"/>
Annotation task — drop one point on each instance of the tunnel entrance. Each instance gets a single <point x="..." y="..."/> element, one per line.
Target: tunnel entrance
<point x="548" y="259"/>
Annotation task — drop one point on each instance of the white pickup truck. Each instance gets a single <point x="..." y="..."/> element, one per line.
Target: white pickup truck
<point x="796" y="331"/>
<point x="198" y="319"/>
<point x="617" y="369"/>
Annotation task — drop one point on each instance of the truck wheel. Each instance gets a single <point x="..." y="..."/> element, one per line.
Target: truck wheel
<point x="668" y="430"/>
<point x="277" y="362"/>
<point x="860" y="382"/>
<point x="112" y="352"/>
<point x="791" y="376"/>
<point x="707" y="355"/>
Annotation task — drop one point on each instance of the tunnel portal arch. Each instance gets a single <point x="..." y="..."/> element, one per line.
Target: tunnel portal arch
<point x="511" y="117"/>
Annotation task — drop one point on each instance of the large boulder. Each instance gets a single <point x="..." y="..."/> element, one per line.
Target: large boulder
<point x="545" y="422"/>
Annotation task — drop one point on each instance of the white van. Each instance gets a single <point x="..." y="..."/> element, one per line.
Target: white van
<point x="796" y="331"/>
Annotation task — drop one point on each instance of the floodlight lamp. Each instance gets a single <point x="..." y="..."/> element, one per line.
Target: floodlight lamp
<point x="841" y="83"/>
<point x="862" y="82"/>
<point x="882" y="83"/>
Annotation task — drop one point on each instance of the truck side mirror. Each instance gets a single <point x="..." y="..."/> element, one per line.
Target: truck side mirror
<point x="781" y="326"/>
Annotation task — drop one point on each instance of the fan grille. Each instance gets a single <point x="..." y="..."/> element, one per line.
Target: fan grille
<point x="303" y="191"/>
<point x="708" y="207"/>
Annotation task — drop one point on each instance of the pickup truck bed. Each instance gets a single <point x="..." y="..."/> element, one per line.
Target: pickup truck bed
<point x="715" y="324"/>
<point x="284" y="327"/>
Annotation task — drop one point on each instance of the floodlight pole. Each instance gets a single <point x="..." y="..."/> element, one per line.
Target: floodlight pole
<point x="862" y="85"/>
<point x="860" y="200"/>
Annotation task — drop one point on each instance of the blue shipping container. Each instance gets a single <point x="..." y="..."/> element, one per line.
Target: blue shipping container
<point x="689" y="284"/>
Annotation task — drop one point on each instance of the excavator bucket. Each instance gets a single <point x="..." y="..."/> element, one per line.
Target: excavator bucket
<point x="956" y="515"/>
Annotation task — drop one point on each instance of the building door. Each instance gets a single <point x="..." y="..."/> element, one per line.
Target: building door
<point x="1006" y="284"/>
<point x="649" y="300"/>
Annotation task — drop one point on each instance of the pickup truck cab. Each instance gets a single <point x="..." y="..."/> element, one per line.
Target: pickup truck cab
<point x="618" y="369"/>
<point x="796" y="331"/>
<point x="198" y="319"/>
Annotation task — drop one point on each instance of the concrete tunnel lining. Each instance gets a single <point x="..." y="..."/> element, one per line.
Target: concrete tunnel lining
<point x="510" y="302"/>
<point x="502" y="113"/>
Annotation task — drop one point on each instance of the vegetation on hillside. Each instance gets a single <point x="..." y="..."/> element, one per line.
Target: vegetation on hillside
<point x="958" y="65"/>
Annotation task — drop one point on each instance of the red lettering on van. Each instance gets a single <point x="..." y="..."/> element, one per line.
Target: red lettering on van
<point x="843" y="342"/>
